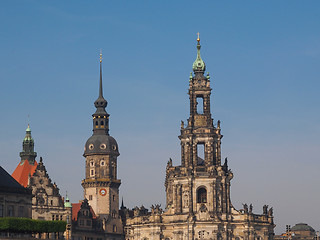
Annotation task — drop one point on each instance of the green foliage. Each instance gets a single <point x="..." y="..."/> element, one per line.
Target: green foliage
<point x="26" y="225"/>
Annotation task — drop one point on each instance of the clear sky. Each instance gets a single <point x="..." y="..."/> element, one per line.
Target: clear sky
<point x="264" y="62"/>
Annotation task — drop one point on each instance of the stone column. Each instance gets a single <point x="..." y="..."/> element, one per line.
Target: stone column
<point x="228" y="196"/>
<point x="174" y="202"/>
<point x="190" y="185"/>
<point x="179" y="198"/>
<point x="211" y="197"/>
<point x="214" y="195"/>
<point x="194" y="154"/>
<point x="182" y="153"/>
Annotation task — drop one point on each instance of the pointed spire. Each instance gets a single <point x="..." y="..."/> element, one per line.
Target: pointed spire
<point x="100" y="87"/>
<point x="100" y="103"/>
<point x="199" y="65"/>
<point x="100" y="117"/>
<point x="122" y="205"/>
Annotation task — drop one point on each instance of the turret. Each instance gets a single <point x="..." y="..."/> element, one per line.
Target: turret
<point x="28" y="152"/>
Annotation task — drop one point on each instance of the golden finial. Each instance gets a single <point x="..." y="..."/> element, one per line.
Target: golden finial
<point x="198" y="39"/>
<point x="101" y="55"/>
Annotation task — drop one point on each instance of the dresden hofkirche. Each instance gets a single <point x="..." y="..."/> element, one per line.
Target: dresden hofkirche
<point x="198" y="204"/>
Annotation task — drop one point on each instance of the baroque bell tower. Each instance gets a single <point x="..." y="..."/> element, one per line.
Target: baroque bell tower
<point x="101" y="185"/>
<point x="198" y="204"/>
<point x="200" y="186"/>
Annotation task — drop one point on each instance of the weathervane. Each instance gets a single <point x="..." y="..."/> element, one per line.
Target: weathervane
<point x="101" y="55"/>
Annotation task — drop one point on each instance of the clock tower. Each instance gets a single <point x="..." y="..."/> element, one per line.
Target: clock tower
<point x="101" y="185"/>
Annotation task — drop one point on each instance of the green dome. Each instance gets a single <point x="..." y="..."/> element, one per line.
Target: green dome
<point x="302" y="227"/>
<point x="198" y="65"/>
<point x="67" y="203"/>
<point x="28" y="134"/>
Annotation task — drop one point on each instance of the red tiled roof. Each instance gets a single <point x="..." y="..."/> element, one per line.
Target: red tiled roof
<point x="22" y="171"/>
<point x="76" y="208"/>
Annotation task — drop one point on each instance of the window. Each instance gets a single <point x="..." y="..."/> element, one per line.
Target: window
<point x="88" y="222"/>
<point x="200" y="105"/>
<point x="21" y="211"/>
<point x="113" y="197"/>
<point x="90" y="197"/>
<point x="81" y="222"/>
<point x="91" y="164"/>
<point x="10" y="211"/>
<point x="201" y="234"/>
<point x="91" y="172"/>
<point x="52" y="217"/>
<point x="202" y="195"/>
<point x="51" y="202"/>
<point x="60" y="217"/>
<point x="102" y="123"/>
<point x="114" y="228"/>
<point x="200" y="154"/>
<point x="1" y="210"/>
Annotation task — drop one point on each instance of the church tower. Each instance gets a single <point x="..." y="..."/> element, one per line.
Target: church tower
<point x="201" y="185"/>
<point x="198" y="204"/>
<point x="28" y="163"/>
<point x="28" y="152"/>
<point x="101" y="185"/>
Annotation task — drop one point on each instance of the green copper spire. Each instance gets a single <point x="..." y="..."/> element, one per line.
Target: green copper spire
<point x="28" y="152"/>
<point x="28" y="134"/>
<point x="198" y="65"/>
<point x="67" y="203"/>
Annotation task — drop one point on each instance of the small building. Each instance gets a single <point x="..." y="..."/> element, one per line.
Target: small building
<point x="15" y="200"/>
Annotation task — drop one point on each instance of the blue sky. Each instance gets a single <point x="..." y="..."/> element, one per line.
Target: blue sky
<point x="264" y="62"/>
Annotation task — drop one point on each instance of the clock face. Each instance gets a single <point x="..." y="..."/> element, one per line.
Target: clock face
<point x="103" y="192"/>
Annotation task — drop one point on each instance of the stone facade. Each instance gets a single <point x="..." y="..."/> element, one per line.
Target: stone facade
<point x="47" y="203"/>
<point x="198" y="204"/>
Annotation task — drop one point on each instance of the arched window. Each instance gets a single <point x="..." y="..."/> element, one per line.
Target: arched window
<point x="202" y="195"/>
<point x="200" y="154"/>
<point x="102" y="123"/>
<point x="200" y="104"/>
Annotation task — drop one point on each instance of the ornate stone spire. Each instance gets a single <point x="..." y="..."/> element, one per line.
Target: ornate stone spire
<point x="28" y="152"/>
<point x="198" y="65"/>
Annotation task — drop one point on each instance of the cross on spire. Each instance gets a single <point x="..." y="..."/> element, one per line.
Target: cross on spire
<point x="198" y="39"/>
